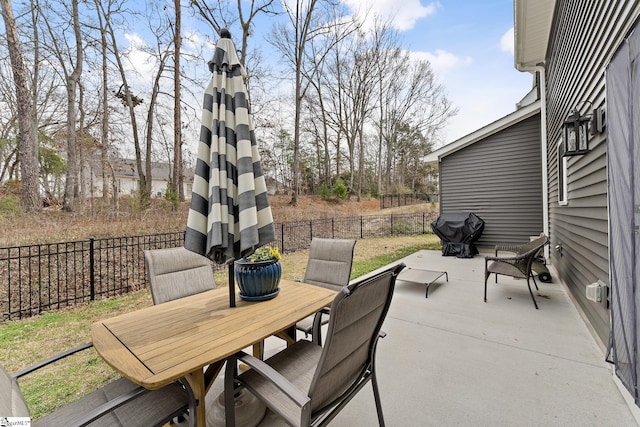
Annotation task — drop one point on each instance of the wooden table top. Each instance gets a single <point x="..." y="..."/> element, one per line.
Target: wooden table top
<point x="157" y="345"/>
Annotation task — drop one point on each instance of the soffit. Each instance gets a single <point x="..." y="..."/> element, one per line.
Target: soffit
<point x="532" y="25"/>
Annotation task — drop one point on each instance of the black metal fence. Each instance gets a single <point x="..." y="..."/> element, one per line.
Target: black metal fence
<point x="396" y="200"/>
<point x="38" y="278"/>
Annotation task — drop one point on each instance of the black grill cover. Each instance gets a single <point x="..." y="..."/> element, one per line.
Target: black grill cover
<point x="458" y="231"/>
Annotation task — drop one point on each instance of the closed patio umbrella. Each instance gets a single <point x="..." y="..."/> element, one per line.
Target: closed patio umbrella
<point x="230" y="216"/>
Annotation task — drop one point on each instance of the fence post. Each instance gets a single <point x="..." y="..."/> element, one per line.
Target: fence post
<point x="311" y="230"/>
<point x="92" y="274"/>
<point x="282" y="237"/>
<point x="333" y="228"/>
<point x="361" y="227"/>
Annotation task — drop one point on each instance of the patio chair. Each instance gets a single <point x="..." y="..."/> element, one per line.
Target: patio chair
<point x="119" y="403"/>
<point x="308" y="384"/>
<point x="177" y="272"/>
<point x="518" y="266"/>
<point x="329" y="266"/>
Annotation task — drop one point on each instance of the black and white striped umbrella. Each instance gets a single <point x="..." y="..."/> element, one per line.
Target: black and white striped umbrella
<point x="230" y="216"/>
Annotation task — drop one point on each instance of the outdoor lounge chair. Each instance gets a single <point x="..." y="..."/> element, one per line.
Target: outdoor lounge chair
<point x="518" y="266"/>
<point x="329" y="266"/>
<point x="308" y="384"/>
<point x="119" y="403"/>
<point x="177" y="272"/>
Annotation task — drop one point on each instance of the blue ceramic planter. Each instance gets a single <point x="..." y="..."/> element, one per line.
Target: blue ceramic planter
<point x="258" y="281"/>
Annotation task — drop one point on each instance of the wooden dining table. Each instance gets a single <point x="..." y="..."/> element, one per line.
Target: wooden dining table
<point x="158" y="345"/>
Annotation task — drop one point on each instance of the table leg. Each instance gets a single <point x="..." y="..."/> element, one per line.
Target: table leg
<point x="211" y="373"/>
<point x="196" y="381"/>
<point x="258" y="350"/>
<point x="289" y="335"/>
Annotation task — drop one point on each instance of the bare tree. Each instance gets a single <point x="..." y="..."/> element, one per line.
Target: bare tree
<point x="308" y="19"/>
<point x="104" y="110"/>
<point x="27" y="138"/>
<point x="125" y="94"/>
<point x="410" y="97"/>
<point x="71" y="70"/>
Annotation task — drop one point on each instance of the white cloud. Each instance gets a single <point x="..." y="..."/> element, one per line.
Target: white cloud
<point x="403" y="14"/>
<point x="139" y="60"/>
<point x="506" y="42"/>
<point x="443" y="62"/>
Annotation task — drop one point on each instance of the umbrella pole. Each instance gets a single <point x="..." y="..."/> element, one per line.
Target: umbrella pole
<point x="232" y="285"/>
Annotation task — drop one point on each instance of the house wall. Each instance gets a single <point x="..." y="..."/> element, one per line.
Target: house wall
<point x="499" y="179"/>
<point x="584" y="36"/>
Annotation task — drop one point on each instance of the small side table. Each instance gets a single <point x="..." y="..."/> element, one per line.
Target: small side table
<point x="423" y="277"/>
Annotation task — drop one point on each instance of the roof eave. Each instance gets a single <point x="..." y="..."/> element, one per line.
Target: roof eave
<point x="502" y="123"/>
<point x="532" y="26"/>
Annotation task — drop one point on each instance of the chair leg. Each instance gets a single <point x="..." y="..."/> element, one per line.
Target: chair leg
<point x="486" y="277"/>
<point x="229" y="391"/>
<point x="485" y="288"/>
<point x="534" y="281"/>
<point x="376" y="396"/>
<point x="531" y="293"/>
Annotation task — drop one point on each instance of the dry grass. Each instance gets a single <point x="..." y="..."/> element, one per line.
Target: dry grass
<point x="56" y="226"/>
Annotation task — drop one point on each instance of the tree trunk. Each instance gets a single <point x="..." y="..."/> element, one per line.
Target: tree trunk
<point x="104" y="120"/>
<point x="27" y="137"/>
<point x="177" y="120"/>
<point x="70" y="187"/>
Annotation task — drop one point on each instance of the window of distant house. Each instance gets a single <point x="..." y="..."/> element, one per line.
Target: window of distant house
<point x="562" y="175"/>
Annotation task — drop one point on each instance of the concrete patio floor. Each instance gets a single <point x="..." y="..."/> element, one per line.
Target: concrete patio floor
<point x="453" y="360"/>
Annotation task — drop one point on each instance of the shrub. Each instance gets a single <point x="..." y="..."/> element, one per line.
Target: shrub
<point x="140" y="202"/>
<point x="171" y="196"/>
<point x="324" y="192"/>
<point x="340" y="190"/>
<point x="10" y="206"/>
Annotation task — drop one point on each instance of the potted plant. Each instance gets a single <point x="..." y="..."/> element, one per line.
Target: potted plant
<point x="258" y="275"/>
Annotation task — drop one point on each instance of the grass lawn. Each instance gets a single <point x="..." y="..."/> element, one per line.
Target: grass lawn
<point x="25" y="342"/>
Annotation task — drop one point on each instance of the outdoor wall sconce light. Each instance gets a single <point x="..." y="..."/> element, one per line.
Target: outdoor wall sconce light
<point x="577" y="130"/>
<point x="576" y="134"/>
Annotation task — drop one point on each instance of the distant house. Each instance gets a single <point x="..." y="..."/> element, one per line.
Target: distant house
<point x="127" y="180"/>
<point x="586" y="58"/>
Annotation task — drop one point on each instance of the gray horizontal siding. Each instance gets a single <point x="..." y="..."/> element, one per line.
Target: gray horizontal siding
<point x="584" y="37"/>
<point x="499" y="179"/>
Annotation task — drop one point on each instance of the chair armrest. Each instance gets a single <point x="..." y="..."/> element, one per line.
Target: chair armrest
<point x="260" y="367"/>
<point x="506" y="259"/>
<point x="516" y="249"/>
<point x="109" y="406"/>
<point x="317" y="325"/>
<point x="122" y="399"/>
<point x="52" y="359"/>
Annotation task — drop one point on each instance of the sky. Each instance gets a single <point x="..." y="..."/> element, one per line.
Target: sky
<point x="470" y="46"/>
<point x="468" y="42"/>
